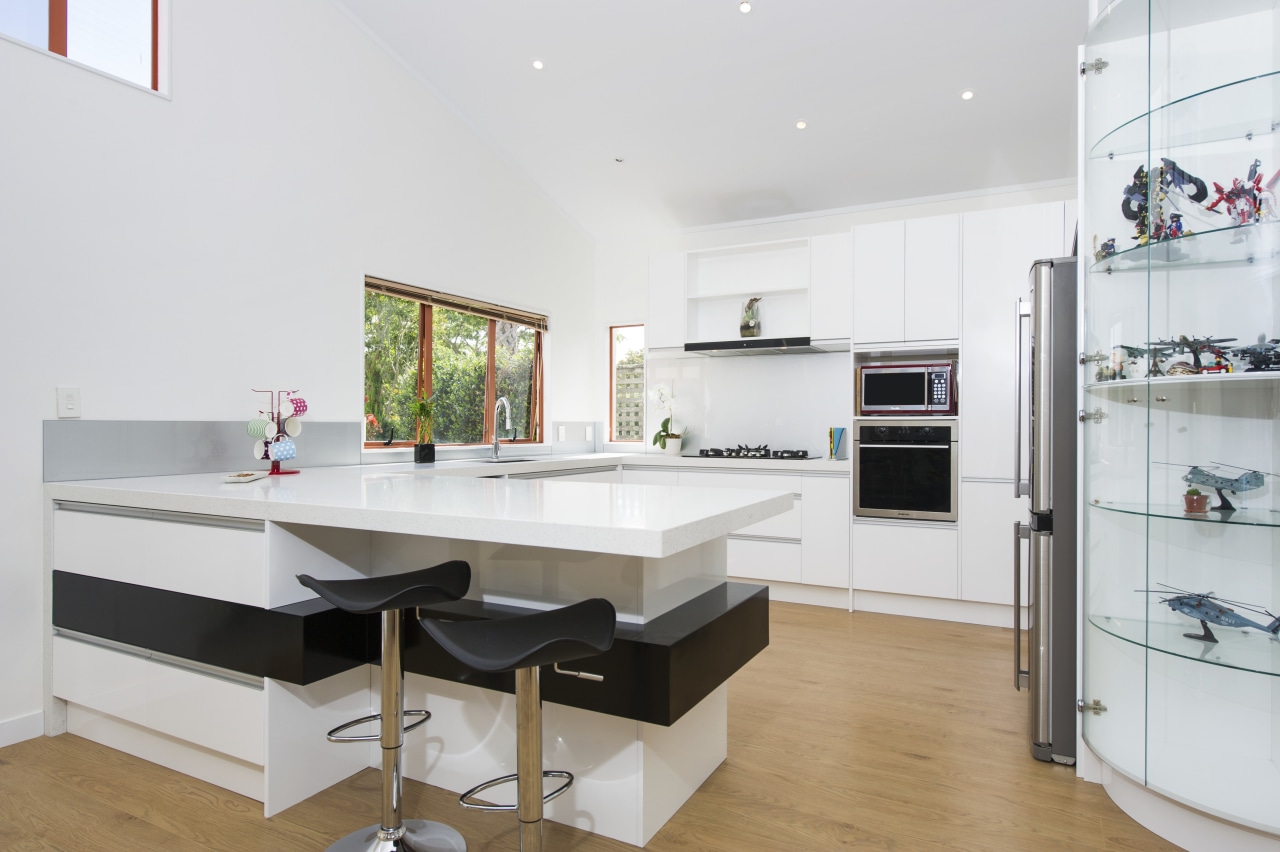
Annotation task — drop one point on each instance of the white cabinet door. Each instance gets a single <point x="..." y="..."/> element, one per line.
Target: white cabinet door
<point x="878" y="281"/>
<point x="932" y="278"/>
<point x="668" y="314"/>
<point x="826" y="531"/>
<point x="999" y="247"/>
<point x="831" y="286"/>
<point x="989" y="511"/>
<point x="905" y="559"/>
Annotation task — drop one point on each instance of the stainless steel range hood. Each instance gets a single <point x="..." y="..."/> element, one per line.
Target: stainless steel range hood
<point x="767" y="346"/>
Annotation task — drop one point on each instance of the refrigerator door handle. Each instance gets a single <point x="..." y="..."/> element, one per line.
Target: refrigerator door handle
<point x="1020" y="488"/>
<point x="1021" y="676"/>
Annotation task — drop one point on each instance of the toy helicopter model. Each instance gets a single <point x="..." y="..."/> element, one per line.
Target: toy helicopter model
<point x="1247" y="481"/>
<point x="1206" y="608"/>
<point x="1262" y="355"/>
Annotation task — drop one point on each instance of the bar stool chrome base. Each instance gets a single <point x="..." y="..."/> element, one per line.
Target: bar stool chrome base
<point x="468" y="799"/>
<point x="420" y="835"/>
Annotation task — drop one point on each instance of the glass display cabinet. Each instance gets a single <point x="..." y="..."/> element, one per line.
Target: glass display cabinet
<point x="1180" y="244"/>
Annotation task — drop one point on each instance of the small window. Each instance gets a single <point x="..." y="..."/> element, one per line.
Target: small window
<point x="462" y="353"/>
<point x="626" y="381"/>
<point x="117" y="37"/>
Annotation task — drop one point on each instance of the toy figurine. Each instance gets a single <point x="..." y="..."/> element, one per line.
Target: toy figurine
<point x="1108" y="248"/>
<point x="1134" y="204"/>
<point x="1175" y="228"/>
<point x="1175" y="178"/>
<point x="1248" y="200"/>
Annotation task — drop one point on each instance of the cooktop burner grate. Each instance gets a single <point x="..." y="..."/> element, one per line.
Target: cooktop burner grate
<point x="745" y="452"/>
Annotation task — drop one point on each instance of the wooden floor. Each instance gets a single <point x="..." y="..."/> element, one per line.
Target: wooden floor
<point x="850" y="730"/>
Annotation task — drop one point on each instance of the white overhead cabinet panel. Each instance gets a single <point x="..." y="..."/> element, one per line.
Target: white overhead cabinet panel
<point x="720" y="281"/>
<point x="665" y="324"/>
<point x="879" y="282"/>
<point x="999" y="247"/>
<point x="932" y="280"/>
<point x="906" y="281"/>
<point x="831" y="287"/>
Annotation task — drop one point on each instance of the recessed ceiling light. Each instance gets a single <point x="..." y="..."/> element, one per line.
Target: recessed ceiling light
<point x="744" y="6"/>
<point x="801" y="125"/>
<point x="537" y="65"/>
<point x="967" y="95"/>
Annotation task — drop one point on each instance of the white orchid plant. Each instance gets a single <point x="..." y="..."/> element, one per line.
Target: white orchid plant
<point x="664" y="400"/>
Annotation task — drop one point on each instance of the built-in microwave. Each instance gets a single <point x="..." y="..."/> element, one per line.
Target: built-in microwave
<point x="899" y="390"/>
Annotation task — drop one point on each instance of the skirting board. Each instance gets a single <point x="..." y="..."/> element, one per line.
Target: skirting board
<point x="802" y="594"/>
<point x="22" y="728"/>
<point x="937" y="609"/>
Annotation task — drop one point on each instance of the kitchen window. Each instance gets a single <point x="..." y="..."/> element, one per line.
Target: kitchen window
<point x="626" y="382"/>
<point x="467" y="353"/>
<point x="117" y="37"/>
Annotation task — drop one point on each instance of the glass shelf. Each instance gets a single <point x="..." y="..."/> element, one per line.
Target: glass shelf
<point x="1219" y="381"/>
<point x="1209" y="116"/>
<point x="1239" y="518"/>
<point x="1233" y="244"/>
<point x="1244" y="650"/>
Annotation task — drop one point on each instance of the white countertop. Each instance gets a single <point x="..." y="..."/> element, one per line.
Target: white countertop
<point x="459" y="500"/>
<point x="545" y="463"/>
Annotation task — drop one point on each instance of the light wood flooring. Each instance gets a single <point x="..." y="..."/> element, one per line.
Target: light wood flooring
<point x="852" y="730"/>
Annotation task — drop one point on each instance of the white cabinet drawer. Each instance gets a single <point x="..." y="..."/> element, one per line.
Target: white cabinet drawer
<point x="216" y="714"/>
<point x="905" y="559"/>
<point x="222" y="562"/>
<point x="765" y="560"/>
<point x="787" y="525"/>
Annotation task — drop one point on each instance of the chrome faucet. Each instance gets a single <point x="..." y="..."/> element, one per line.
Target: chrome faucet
<point x="500" y="404"/>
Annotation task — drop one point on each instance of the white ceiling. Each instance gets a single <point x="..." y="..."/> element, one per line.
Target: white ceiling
<point x="701" y="101"/>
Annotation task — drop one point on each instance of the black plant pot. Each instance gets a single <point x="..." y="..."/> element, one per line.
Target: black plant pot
<point x="424" y="453"/>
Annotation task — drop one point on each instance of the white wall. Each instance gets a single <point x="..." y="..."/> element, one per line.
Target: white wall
<point x="167" y="255"/>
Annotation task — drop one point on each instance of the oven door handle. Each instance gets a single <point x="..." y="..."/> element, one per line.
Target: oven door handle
<point x="946" y="446"/>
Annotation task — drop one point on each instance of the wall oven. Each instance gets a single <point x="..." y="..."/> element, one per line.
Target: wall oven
<point x="905" y="469"/>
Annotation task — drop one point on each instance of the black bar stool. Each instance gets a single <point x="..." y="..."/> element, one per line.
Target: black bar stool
<point x="522" y="644"/>
<point x="388" y="595"/>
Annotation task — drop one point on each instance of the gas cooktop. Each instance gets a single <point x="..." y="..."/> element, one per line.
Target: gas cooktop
<point x="744" y="452"/>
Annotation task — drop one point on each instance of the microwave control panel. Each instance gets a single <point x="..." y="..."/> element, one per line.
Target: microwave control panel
<point x="939" y="389"/>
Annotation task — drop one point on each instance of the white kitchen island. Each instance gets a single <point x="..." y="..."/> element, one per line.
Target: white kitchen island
<point x="181" y="635"/>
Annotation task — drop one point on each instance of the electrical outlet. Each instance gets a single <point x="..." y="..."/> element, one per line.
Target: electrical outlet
<point x="560" y="433"/>
<point x="591" y="432"/>
<point x="68" y="402"/>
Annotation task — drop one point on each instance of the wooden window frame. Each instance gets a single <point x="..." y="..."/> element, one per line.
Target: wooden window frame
<point x="58" y="35"/>
<point x="428" y="300"/>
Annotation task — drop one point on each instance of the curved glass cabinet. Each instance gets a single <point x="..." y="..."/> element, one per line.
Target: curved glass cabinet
<point x="1181" y="151"/>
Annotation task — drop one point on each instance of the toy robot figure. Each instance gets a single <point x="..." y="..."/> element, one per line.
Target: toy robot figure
<point x="1134" y="204"/>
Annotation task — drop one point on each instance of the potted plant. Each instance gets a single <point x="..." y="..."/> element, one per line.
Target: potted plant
<point x="666" y="438"/>
<point x="1196" y="502"/>
<point x="424" y="451"/>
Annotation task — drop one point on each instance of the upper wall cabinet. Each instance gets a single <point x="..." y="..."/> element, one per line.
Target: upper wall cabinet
<point x="831" y="286"/>
<point x="665" y="325"/>
<point x="721" y="281"/>
<point x="906" y="280"/>
<point x="803" y="288"/>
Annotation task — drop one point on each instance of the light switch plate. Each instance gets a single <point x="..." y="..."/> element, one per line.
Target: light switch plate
<point x="591" y="432"/>
<point x="68" y="402"/>
<point x="560" y="433"/>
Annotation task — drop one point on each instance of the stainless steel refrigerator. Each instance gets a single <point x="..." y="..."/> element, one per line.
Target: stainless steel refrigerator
<point x="1048" y="378"/>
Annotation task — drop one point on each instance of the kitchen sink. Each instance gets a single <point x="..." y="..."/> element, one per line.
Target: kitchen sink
<point x="505" y="461"/>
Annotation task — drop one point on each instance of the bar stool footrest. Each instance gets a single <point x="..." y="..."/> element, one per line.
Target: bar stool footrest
<point x="333" y="737"/>
<point x="466" y="798"/>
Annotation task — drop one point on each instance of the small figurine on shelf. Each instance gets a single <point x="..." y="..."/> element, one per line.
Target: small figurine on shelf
<point x="1262" y="355"/>
<point x="750" y="325"/>
<point x="1175" y="227"/>
<point x="1108" y="248"/>
<point x="276" y="428"/>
